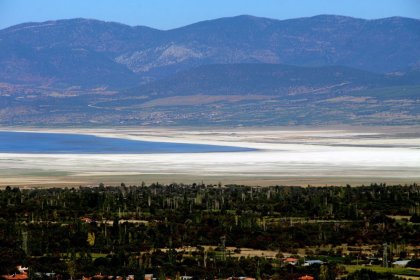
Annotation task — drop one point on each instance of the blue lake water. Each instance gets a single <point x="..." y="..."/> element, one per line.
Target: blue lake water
<point x="62" y="143"/>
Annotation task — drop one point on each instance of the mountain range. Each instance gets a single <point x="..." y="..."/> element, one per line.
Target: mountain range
<point x="240" y="70"/>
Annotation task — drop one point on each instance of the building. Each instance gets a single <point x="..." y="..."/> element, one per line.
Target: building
<point x="306" y="277"/>
<point x="401" y="263"/>
<point x="19" y="276"/>
<point x="291" y="261"/>
<point x="312" y="262"/>
<point x="22" y="275"/>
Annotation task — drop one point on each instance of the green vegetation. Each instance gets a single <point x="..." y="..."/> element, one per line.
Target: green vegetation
<point x="392" y="92"/>
<point x="381" y="269"/>
<point x="202" y="230"/>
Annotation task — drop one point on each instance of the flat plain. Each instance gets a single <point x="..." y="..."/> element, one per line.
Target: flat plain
<point x="282" y="156"/>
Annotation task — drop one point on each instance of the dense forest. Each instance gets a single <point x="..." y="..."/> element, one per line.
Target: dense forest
<point x="174" y="230"/>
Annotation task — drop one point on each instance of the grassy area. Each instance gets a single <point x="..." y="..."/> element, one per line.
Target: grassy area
<point x="392" y="92"/>
<point x="98" y="255"/>
<point x="94" y="255"/>
<point x="380" y="269"/>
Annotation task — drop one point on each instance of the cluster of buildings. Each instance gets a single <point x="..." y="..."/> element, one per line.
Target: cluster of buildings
<point x="23" y="272"/>
<point x="295" y="262"/>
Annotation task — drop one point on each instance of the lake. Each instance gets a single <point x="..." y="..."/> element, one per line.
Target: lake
<point x="62" y="143"/>
<point x="279" y="156"/>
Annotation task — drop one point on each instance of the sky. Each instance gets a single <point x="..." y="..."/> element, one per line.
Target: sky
<point x="168" y="14"/>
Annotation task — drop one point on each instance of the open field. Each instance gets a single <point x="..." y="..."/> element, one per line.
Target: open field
<point x="289" y="156"/>
<point x="412" y="272"/>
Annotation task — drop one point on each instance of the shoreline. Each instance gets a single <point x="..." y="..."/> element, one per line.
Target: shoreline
<point x="148" y="179"/>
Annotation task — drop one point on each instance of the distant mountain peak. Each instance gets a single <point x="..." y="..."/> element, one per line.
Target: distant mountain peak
<point x="51" y="47"/>
<point x="241" y="69"/>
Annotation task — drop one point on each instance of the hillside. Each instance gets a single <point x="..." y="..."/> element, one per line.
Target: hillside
<point x="241" y="70"/>
<point x="266" y="79"/>
<point x="234" y="94"/>
<point x="89" y="53"/>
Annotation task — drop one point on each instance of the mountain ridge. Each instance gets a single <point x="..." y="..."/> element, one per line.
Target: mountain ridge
<point x="151" y="54"/>
<point x="234" y="70"/>
<point x="249" y="16"/>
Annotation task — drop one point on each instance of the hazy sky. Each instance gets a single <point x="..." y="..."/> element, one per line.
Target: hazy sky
<point x="167" y="14"/>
